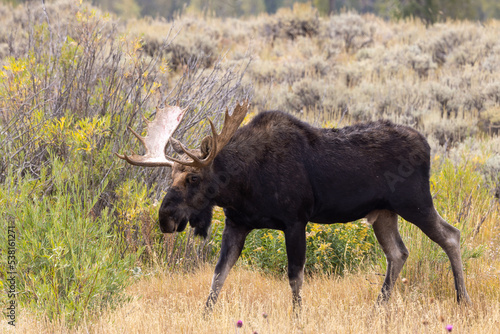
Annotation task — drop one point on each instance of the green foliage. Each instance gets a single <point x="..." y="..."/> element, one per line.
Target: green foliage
<point x="67" y="260"/>
<point x="85" y="225"/>
<point x="330" y="248"/>
<point x="335" y="248"/>
<point x="427" y="10"/>
<point x="272" y="5"/>
<point x="462" y="195"/>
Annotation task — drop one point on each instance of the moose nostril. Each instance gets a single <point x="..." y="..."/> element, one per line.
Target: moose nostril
<point x="162" y="229"/>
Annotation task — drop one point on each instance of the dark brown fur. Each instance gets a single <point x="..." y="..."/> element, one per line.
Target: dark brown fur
<point x="280" y="173"/>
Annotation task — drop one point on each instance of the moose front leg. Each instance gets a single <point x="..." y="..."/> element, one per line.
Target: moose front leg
<point x="295" y="239"/>
<point x="233" y="240"/>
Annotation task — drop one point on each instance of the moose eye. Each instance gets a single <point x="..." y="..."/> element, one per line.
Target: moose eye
<point x="193" y="179"/>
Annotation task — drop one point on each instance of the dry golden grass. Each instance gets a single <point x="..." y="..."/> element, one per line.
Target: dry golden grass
<point x="173" y="303"/>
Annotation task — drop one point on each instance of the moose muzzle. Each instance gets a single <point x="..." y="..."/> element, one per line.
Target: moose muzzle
<point x="171" y="216"/>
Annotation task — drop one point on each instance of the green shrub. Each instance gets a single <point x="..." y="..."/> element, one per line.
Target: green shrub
<point x="451" y="131"/>
<point x="68" y="266"/>
<point x="306" y="93"/>
<point x="352" y="30"/>
<point x="183" y="49"/>
<point x="489" y="121"/>
<point x="301" y="21"/>
<point x="330" y="248"/>
<point x="85" y="221"/>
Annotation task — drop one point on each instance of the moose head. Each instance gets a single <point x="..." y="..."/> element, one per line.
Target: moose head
<point x="195" y="183"/>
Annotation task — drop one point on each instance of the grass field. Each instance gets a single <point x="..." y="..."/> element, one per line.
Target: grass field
<point x="173" y="303"/>
<point x="89" y="254"/>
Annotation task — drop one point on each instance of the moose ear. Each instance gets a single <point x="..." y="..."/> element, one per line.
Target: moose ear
<point x="206" y="146"/>
<point x="176" y="145"/>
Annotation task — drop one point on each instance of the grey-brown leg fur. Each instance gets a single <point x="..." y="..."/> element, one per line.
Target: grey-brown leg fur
<point x="448" y="237"/>
<point x="434" y="226"/>
<point x="295" y="240"/>
<point x="385" y="225"/>
<point x="233" y="240"/>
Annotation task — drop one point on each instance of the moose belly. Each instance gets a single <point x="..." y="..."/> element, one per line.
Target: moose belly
<point x="341" y="216"/>
<point x="343" y="209"/>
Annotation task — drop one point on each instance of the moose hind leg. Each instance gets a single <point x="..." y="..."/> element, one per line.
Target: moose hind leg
<point x="448" y="238"/>
<point x="385" y="226"/>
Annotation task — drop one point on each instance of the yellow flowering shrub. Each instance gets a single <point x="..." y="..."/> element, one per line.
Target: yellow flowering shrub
<point x="330" y="248"/>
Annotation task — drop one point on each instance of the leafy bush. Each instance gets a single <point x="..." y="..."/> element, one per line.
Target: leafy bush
<point x="306" y="93"/>
<point x="452" y="131"/>
<point x="354" y="32"/>
<point x="67" y="259"/>
<point x="489" y="121"/>
<point x="330" y="248"/>
<point x="85" y="223"/>
<point x="182" y="48"/>
<point x="301" y="21"/>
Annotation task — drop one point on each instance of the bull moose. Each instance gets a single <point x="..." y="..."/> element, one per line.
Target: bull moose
<point x="278" y="172"/>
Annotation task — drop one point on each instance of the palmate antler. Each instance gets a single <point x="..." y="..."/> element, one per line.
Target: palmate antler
<point x="160" y="132"/>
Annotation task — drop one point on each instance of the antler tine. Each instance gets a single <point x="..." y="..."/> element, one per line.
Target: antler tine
<point x="197" y="162"/>
<point x="138" y="136"/>
<point x="213" y="148"/>
<point x="232" y="123"/>
<point x="159" y="130"/>
<point x="218" y="141"/>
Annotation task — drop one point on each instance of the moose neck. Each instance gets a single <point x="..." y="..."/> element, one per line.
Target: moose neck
<point x="226" y="179"/>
